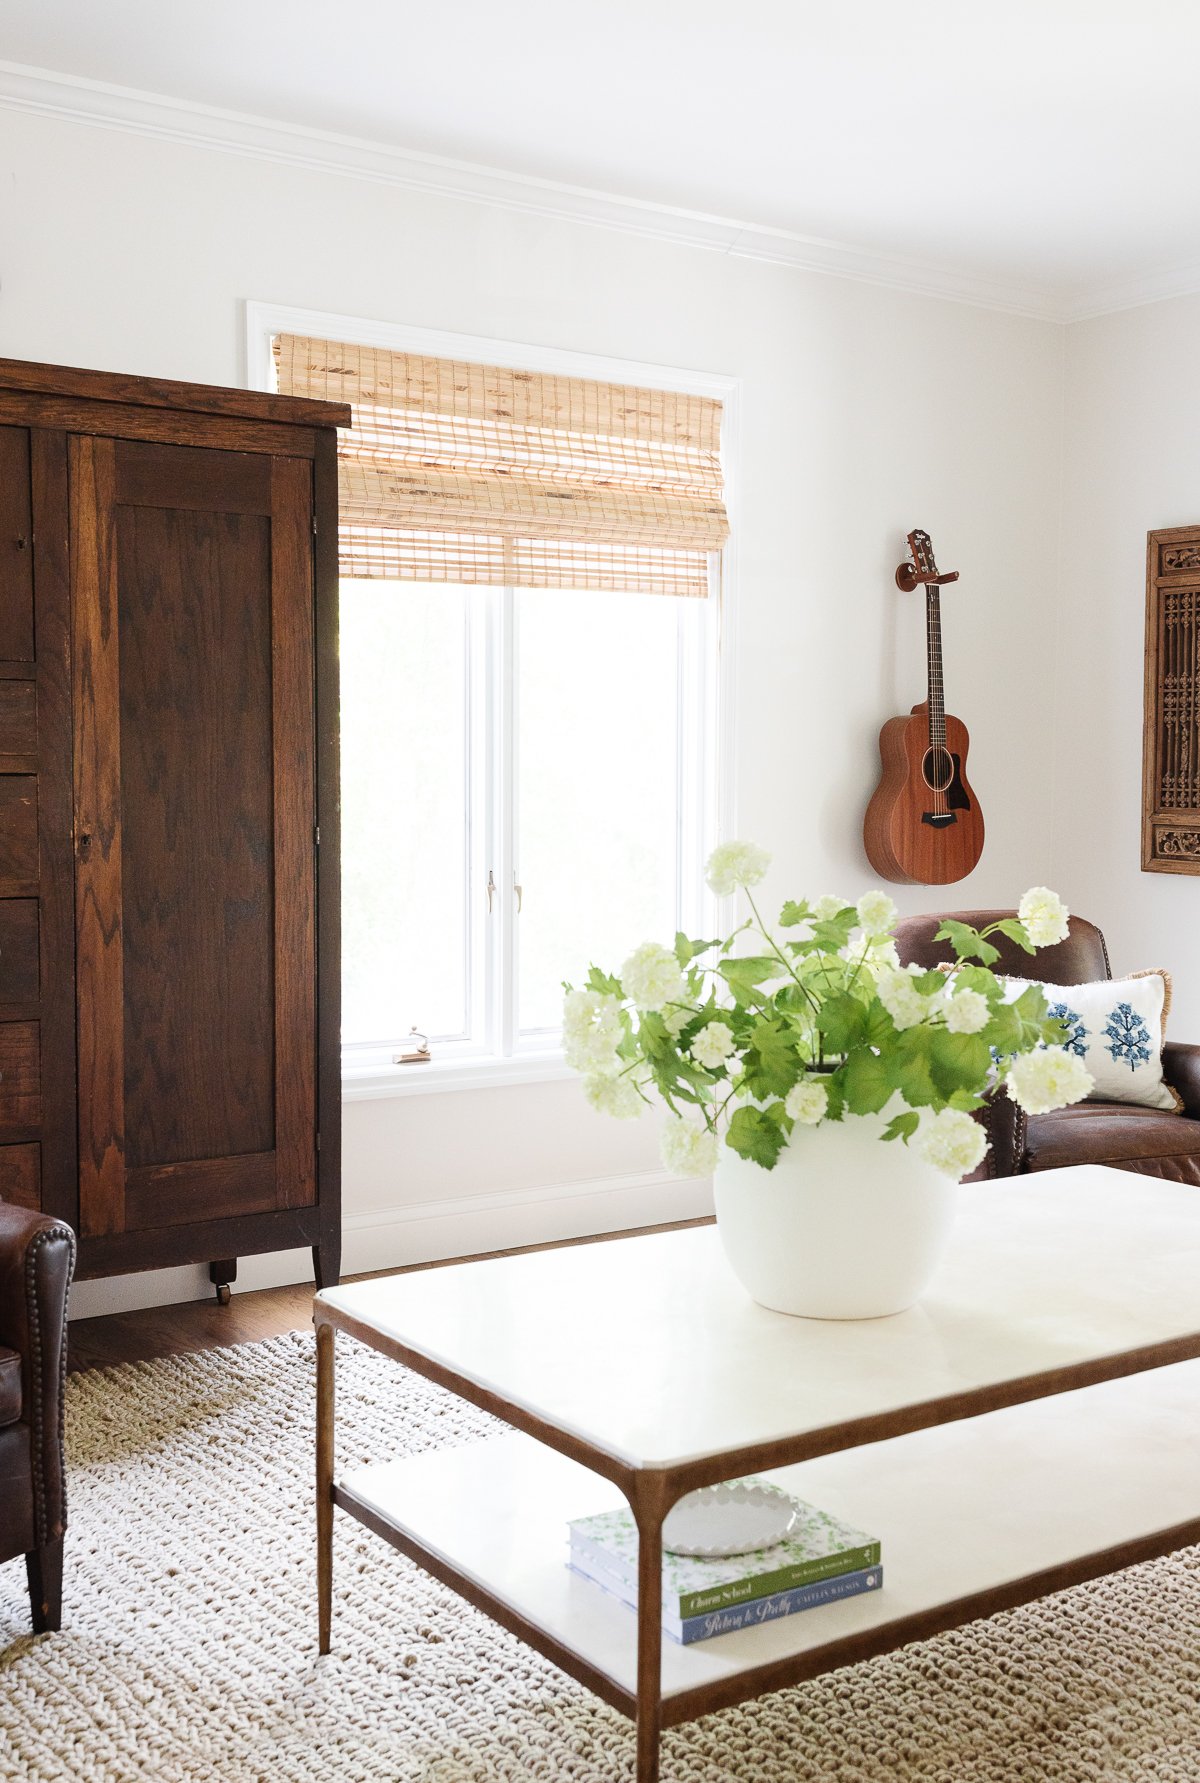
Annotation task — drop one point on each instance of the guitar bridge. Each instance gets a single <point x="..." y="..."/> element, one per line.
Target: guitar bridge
<point x="939" y="819"/>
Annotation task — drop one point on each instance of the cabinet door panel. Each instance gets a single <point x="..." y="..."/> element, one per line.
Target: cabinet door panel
<point x="195" y="799"/>
<point x="196" y="844"/>
<point x="16" y="547"/>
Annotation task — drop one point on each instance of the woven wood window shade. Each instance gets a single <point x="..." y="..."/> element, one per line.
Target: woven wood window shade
<point x="454" y="472"/>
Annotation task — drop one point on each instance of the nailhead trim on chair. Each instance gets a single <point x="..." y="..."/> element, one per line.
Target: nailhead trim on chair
<point x="48" y="1235"/>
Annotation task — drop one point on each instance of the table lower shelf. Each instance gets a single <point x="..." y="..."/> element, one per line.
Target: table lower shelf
<point x="973" y="1517"/>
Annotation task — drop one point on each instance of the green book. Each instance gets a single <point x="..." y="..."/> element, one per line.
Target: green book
<point x="820" y="1546"/>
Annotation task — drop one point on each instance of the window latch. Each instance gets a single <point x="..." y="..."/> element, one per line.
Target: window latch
<point x="416" y="1050"/>
<point x="491" y="890"/>
<point x="517" y="889"/>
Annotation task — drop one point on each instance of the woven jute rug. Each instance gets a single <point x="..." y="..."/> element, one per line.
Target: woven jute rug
<point x="188" y="1649"/>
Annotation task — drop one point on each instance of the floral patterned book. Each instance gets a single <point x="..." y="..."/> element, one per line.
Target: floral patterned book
<point x="819" y="1547"/>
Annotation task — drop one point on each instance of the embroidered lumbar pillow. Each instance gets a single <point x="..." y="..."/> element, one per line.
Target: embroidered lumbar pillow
<point x="1117" y="1028"/>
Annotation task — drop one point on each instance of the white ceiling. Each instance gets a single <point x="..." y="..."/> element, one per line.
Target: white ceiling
<point x="1046" y="145"/>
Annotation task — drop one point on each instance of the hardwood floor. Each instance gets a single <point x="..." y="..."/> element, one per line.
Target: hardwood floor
<point x="203" y="1325"/>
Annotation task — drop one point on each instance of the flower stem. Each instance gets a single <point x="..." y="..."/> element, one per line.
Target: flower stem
<point x="779" y="953"/>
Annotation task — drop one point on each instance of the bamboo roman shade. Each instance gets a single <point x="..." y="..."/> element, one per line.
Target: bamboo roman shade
<point x="455" y="472"/>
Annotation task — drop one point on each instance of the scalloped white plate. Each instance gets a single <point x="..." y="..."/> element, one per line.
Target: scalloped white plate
<point x="736" y="1517"/>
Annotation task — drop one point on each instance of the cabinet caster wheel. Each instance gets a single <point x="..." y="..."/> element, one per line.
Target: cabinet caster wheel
<point x="223" y="1294"/>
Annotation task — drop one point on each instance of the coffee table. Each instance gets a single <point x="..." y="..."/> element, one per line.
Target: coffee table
<point x="1033" y="1423"/>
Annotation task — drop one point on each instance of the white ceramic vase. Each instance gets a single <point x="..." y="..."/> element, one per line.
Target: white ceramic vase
<point x="846" y="1226"/>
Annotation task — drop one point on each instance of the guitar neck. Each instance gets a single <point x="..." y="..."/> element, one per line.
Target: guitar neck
<point x="933" y="637"/>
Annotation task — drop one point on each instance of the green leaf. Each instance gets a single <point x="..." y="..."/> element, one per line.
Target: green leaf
<point x="929" y="982"/>
<point x="1016" y="931"/>
<point x="842" y="1021"/>
<point x="686" y="951"/>
<point x="832" y="935"/>
<point x="1031" y="1005"/>
<point x="880" y="1028"/>
<point x="958" y="1061"/>
<point x="968" y="943"/>
<point x="902" y="1126"/>
<point x="1005" y="1029"/>
<point x="745" y="974"/>
<point x="757" y="1134"/>
<point x="771" y="1063"/>
<point x="867" y="1081"/>
<point x="966" y="1101"/>
<point x="604" y="984"/>
<point x="912" y="1067"/>
<point x="792" y="914"/>
<point x="978" y="978"/>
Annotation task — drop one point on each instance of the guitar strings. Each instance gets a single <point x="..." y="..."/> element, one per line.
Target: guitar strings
<point x="937" y="743"/>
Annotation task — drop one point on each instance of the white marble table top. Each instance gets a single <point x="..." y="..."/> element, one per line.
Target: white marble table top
<point x="650" y="1349"/>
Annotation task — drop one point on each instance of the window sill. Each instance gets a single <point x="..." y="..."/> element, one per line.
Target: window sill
<point x="371" y="1083"/>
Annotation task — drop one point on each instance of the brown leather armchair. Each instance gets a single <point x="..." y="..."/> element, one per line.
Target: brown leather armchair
<point x="37" y="1259"/>
<point x="1129" y="1138"/>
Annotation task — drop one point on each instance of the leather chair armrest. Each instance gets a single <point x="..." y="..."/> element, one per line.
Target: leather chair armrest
<point x="1004" y="1122"/>
<point x="1181" y="1069"/>
<point x="37" y="1261"/>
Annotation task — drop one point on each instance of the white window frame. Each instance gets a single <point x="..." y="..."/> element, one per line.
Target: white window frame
<point x="707" y="731"/>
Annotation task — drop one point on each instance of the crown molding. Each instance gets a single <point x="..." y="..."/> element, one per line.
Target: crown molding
<point x="1132" y="293"/>
<point x="47" y="93"/>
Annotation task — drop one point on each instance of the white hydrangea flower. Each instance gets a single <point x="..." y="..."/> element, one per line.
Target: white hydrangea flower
<point x="826" y="908"/>
<point x="712" y="1045"/>
<point x="617" y="1096"/>
<point x="966" y="1012"/>
<point x="651" y="976"/>
<point x="688" y="1148"/>
<point x="806" y="1104"/>
<point x="951" y="1141"/>
<point x="676" y="1020"/>
<point x="1048" y="1078"/>
<point x="900" y="997"/>
<point x="733" y="864"/>
<point x="882" y="952"/>
<point x="592" y="1032"/>
<point x="1044" y="915"/>
<point x="876" y="913"/>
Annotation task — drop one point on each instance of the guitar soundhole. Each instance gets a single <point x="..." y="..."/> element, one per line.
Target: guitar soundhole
<point x="937" y="769"/>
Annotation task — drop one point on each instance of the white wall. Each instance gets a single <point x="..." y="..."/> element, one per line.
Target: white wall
<point x="865" y="412"/>
<point x="1132" y="455"/>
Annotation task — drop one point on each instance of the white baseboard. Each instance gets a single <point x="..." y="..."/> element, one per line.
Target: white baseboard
<point x="426" y="1231"/>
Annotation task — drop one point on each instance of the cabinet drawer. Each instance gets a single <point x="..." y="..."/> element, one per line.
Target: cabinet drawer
<point x="20" y="1078"/>
<point x="18" y="950"/>
<point x="21" y="1175"/>
<point x="18" y="835"/>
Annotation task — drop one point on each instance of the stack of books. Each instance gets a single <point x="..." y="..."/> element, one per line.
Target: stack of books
<point x="820" y="1561"/>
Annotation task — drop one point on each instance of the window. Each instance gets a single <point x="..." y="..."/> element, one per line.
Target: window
<point x="529" y="663"/>
<point x="528" y="780"/>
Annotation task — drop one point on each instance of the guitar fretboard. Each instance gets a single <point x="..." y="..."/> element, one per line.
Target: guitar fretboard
<point x="933" y="640"/>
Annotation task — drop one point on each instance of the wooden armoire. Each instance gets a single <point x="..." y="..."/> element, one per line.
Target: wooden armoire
<point x="169" y="960"/>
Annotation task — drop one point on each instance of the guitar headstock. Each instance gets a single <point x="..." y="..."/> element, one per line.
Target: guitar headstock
<point x="920" y="547"/>
<point x="923" y="566"/>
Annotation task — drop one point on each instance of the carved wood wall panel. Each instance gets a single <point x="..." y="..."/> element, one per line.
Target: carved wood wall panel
<point x="1171" y="729"/>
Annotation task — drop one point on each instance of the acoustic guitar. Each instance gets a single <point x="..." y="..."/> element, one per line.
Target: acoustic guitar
<point x="923" y="824"/>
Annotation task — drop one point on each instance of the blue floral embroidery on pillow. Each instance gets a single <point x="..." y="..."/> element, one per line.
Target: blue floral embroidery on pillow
<point x="1128" y="1037"/>
<point x="1076" y="1040"/>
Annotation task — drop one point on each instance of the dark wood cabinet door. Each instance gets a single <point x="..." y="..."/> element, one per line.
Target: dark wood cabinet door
<point x="192" y="622"/>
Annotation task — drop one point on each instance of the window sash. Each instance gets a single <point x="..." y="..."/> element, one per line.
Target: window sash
<point x="492" y="939"/>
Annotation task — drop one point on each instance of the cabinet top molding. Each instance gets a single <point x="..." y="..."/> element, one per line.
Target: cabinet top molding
<point x="167" y="393"/>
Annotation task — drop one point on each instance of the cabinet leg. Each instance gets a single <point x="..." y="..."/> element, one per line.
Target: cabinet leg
<point x="220" y="1275"/>
<point x="327" y="1257"/>
<point x="44" y="1569"/>
<point x="325" y="1364"/>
